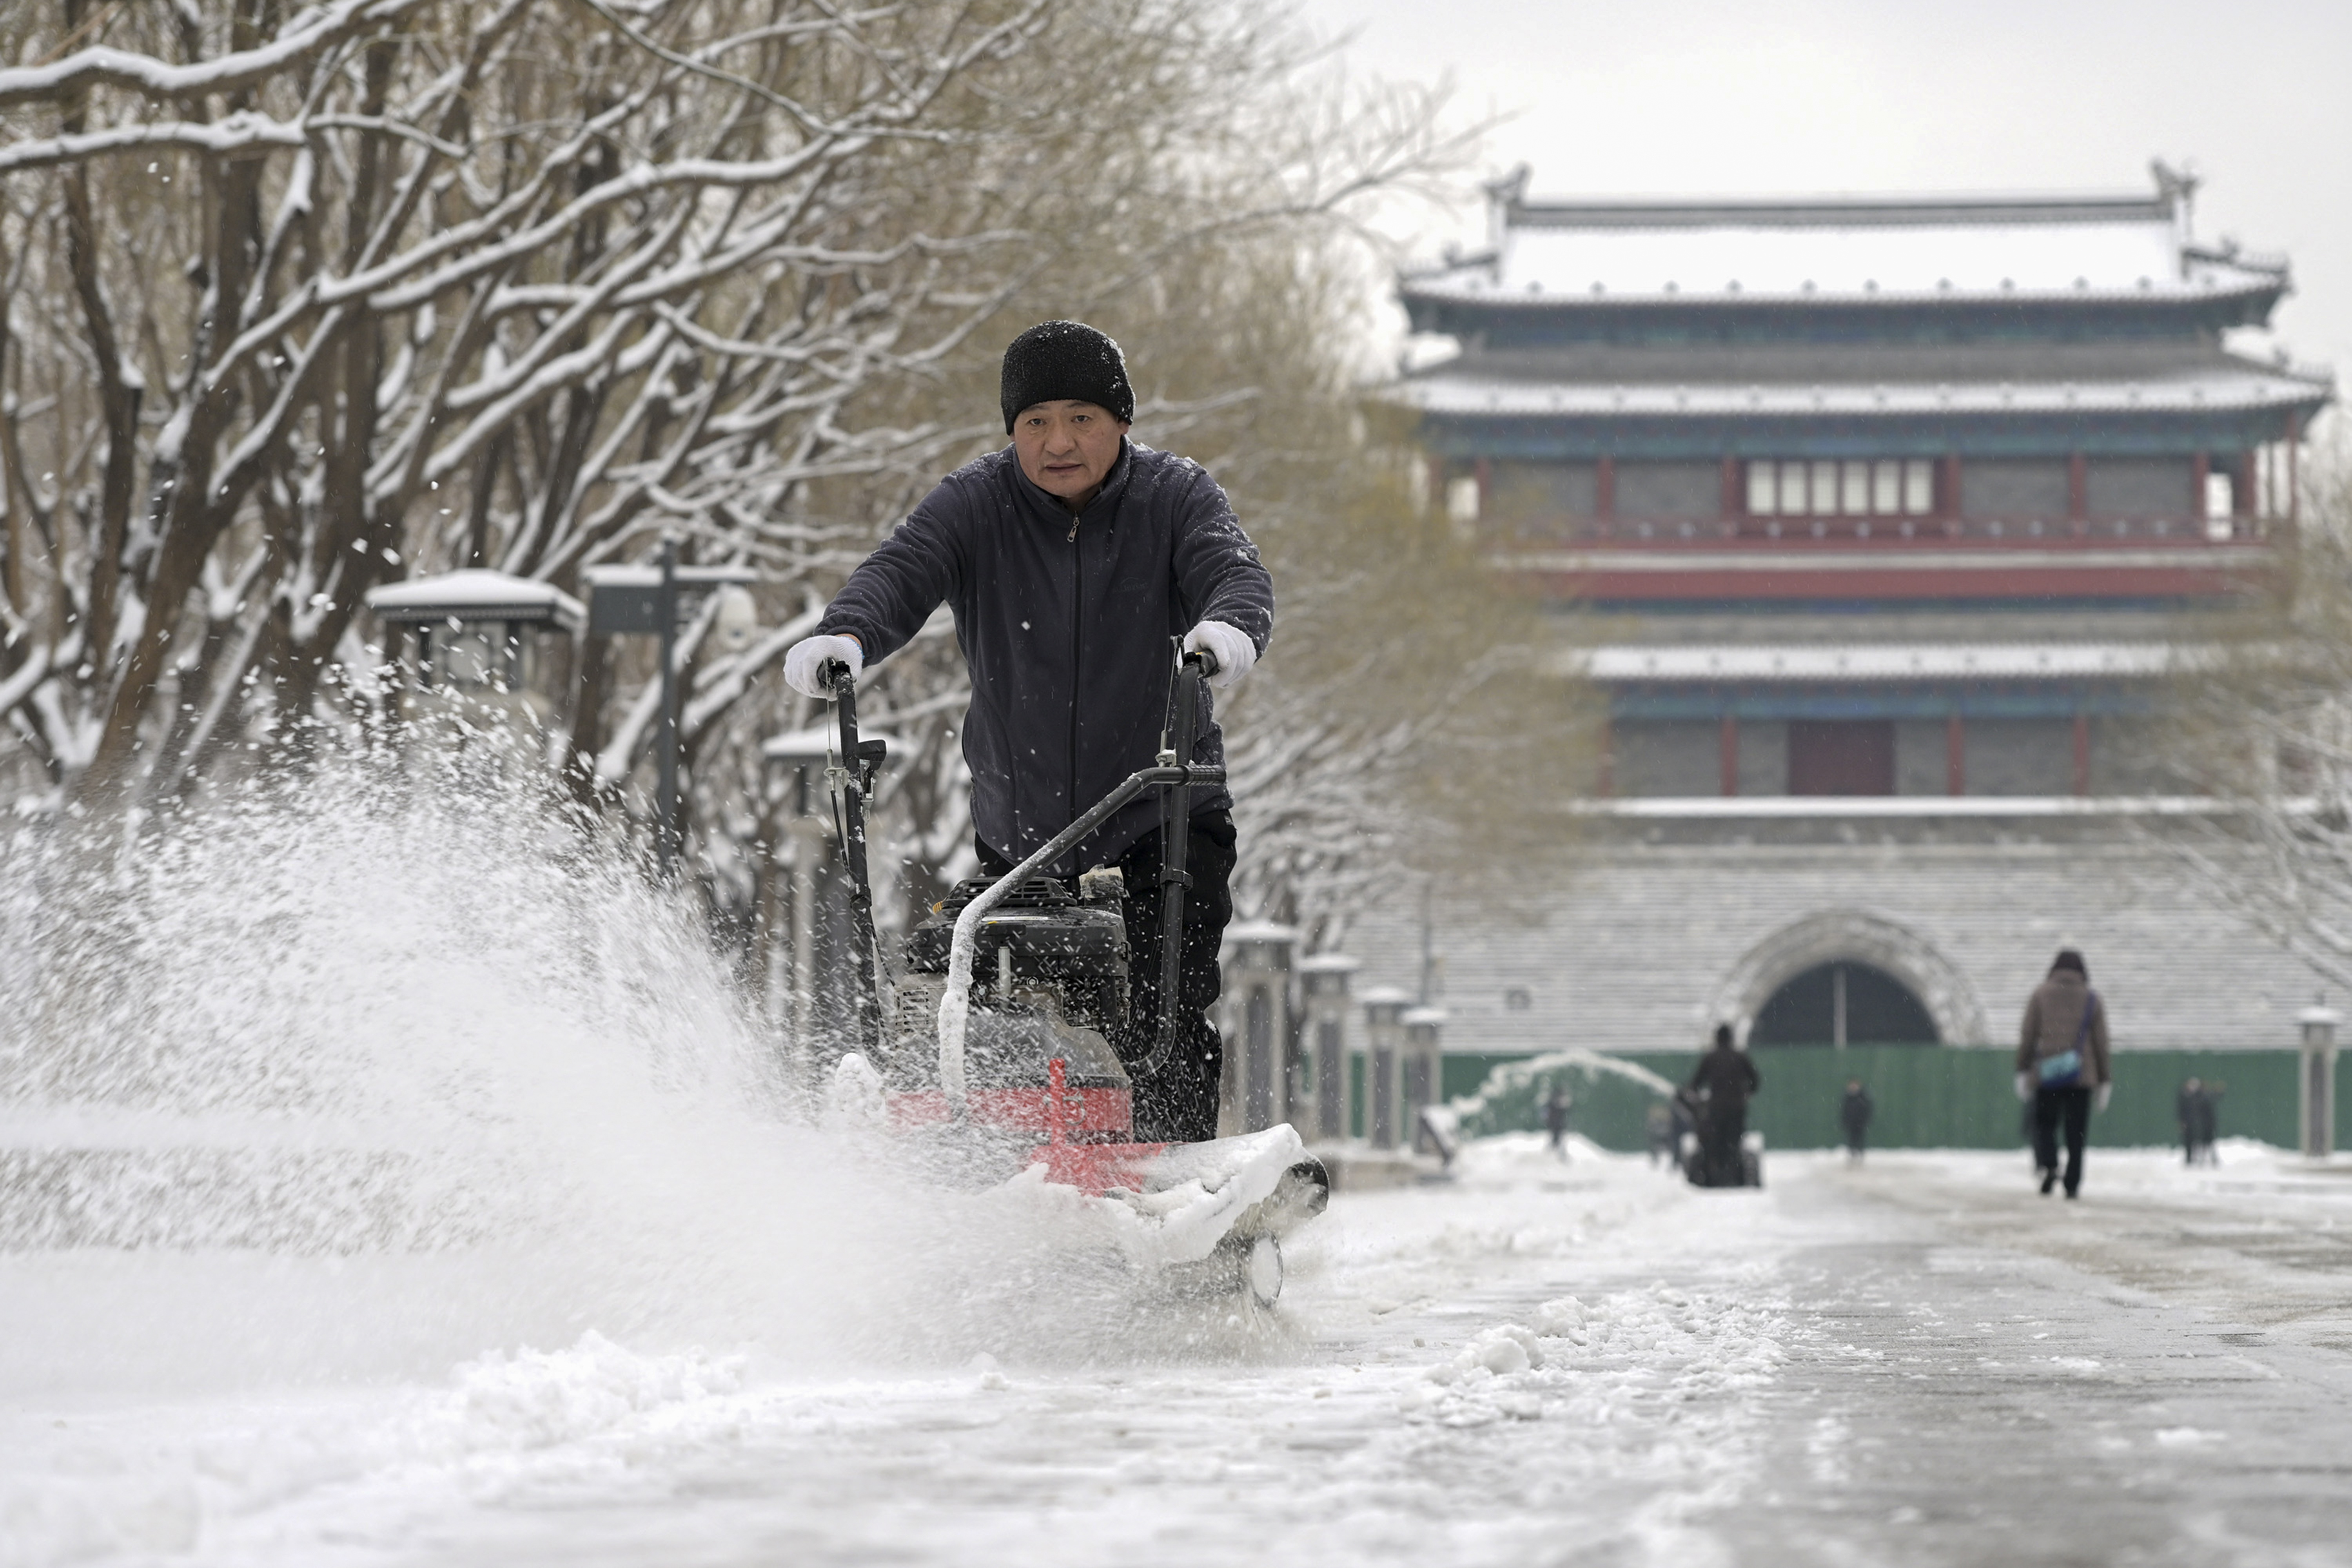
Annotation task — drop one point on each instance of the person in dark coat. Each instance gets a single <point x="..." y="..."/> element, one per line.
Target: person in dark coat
<point x="1854" y="1115"/>
<point x="2209" y="1122"/>
<point x="1721" y="1084"/>
<point x="2062" y="1066"/>
<point x="2188" y="1111"/>
<point x="1556" y="1105"/>
<point x="1075" y="560"/>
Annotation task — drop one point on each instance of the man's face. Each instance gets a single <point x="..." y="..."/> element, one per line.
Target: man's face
<point x="1067" y="448"/>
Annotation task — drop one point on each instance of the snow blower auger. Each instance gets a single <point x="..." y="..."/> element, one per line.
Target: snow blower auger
<point x="995" y="1060"/>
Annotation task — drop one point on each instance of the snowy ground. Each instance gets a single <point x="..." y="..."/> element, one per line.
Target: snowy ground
<point x="1918" y="1360"/>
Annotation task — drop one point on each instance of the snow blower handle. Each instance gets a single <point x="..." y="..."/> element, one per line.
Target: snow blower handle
<point x="1175" y="849"/>
<point x="851" y="777"/>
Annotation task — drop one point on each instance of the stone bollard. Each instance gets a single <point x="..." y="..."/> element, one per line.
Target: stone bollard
<point x="1423" y="1070"/>
<point x="1384" y="1007"/>
<point x="1322" y="1108"/>
<point x="1257" y="1007"/>
<point x="2318" y="1080"/>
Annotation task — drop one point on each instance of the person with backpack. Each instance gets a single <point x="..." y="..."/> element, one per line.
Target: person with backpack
<point x="2062" y="1066"/>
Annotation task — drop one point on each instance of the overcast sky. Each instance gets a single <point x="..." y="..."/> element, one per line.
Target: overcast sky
<point x="1687" y="98"/>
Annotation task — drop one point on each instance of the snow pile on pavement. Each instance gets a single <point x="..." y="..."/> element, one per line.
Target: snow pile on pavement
<point x="536" y="1398"/>
<point x="1595" y="1363"/>
<point x="152" y="1481"/>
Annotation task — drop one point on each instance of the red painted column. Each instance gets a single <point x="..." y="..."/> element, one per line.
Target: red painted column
<point x="1955" y="756"/>
<point x="1730" y="747"/>
<point x="1733" y="494"/>
<point x="1604" y="489"/>
<point x="2082" y="753"/>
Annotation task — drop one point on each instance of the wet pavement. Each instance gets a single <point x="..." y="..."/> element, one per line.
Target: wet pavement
<point x="1918" y="1361"/>
<point x="2154" y="1375"/>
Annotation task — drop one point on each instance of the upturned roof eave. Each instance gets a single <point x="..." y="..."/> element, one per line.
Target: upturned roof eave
<point x="1411" y="293"/>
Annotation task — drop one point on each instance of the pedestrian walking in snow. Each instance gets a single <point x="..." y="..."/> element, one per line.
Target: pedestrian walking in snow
<point x="1722" y="1084"/>
<point x="1854" y="1115"/>
<point x="2209" y="1122"/>
<point x="1074" y="560"/>
<point x="2188" y="1111"/>
<point x="2062" y="1066"/>
<point x="1556" y="1106"/>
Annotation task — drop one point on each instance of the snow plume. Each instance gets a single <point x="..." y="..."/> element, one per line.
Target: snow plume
<point x="378" y="1067"/>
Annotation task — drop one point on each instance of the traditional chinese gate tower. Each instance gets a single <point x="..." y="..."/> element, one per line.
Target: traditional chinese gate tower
<point x="1896" y="510"/>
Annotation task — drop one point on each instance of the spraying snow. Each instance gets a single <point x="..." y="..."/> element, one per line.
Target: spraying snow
<point x="373" y="1073"/>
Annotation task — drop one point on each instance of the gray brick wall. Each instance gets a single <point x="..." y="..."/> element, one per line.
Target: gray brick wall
<point x="1631" y="952"/>
<point x="2020" y="756"/>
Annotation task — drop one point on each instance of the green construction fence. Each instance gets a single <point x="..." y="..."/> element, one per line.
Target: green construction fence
<point x="1923" y="1096"/>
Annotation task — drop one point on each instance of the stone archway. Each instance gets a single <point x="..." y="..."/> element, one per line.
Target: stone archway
<point x="1858" y="936"/>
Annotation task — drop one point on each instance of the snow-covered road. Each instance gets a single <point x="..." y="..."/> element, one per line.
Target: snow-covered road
<point x="1919" y="1360"/>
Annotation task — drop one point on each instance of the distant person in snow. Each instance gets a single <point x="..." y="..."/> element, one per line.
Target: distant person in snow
<point x="1074" y="561"/>
<point x="2062" y="1066"/>
<point x="2209" y="1122"/>
<point x="2199" y="1110"/>
<point x="2188" y="1111"/>
<point x="1854" y="1115"/>
<point x="1721" y="1085"/>
<point x="1556" y="1106"/>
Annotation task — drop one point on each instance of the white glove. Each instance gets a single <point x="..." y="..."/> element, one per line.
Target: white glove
<point x="2099" y="1101"/>
<point x="2025" y="1087"/>
<point x="804" y="664"/>
<point x="1233" y="650"/>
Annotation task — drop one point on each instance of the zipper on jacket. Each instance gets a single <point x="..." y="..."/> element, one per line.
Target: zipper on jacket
<point x="1077" y="640"/>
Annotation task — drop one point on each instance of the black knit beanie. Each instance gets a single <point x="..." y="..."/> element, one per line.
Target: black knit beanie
<point x="1055" y="360"/>
<point x="2069" y="959"/>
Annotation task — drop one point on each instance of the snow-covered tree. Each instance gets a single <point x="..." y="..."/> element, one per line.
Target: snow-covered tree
<point x="298" y="302"/>
<point x="2260" y="726"/>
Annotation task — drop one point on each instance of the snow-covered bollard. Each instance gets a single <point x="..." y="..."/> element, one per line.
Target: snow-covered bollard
<point x="1423" y="1070"/>
<point x="1256" y="1087"/>
<point x="1323" y="984"/>
<point x="2318" y="1080"/>
<point x="1384" y="1007"/>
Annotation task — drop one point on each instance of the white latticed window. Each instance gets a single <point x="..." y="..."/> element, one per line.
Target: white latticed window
<point x="1886" y="487"/>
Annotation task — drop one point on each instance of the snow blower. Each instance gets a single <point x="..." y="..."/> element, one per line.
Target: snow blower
<point x="995" y="1059"/>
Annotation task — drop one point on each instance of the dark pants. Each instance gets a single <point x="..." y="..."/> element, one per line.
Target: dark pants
<point x="2050" y="1106"/>
<point x="1177" y="1104"/>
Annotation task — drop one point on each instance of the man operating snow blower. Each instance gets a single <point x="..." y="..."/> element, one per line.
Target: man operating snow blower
<point x="1075" y="560"/>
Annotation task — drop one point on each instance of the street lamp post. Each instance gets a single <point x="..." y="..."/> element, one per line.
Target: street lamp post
<point x="645" y="600"/>
<point x="808" y="757"/>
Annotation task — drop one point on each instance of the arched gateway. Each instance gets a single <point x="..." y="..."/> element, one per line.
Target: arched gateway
<point x="1892" y="980"/>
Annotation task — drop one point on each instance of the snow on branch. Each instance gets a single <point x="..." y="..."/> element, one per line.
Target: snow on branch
<point x="103" y="67"/>
<point x="245" y="131"/>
